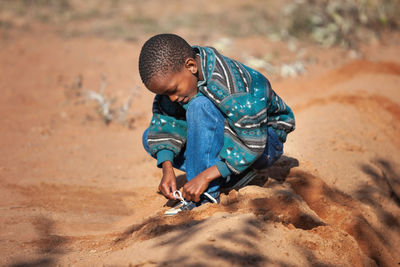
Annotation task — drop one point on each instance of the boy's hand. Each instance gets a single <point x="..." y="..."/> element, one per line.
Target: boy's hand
<point x="168" y="181"/>
<point x="195" y="187"/>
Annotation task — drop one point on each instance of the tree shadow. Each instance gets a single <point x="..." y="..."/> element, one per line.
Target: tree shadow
<point x="158" y="225"/>
<point x="187" y="227"/>
<point x="344" y="211"/>
<point x="181" y="229"/>
<point x="50" y="246"/>
<point x="216" y="253"/>
<point x="385" y="184"/>
<point x="235" y="258"/>
<point x="332" y="205"/>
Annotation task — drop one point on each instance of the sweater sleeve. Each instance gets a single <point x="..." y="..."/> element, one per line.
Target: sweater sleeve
<point x="167" y="131"/>
<point x="281" y="117"/>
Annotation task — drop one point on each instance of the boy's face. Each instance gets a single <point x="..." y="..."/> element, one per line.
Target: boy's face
<point x="179" y="86"/>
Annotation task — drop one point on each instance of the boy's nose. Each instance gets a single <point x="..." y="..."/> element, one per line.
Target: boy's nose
<point x="173" y="98"/>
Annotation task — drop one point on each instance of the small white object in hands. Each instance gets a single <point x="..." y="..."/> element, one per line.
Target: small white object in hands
<point x="178" y="195"/>
<point x="183" y="205"/>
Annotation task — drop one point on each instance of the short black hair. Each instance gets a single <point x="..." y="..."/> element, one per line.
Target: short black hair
<point x="161" y="54"/>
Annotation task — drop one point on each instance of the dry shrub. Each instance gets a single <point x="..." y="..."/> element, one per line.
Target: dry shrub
<point x="340" y="22"/>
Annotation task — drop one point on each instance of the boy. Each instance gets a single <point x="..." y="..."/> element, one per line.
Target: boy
<point x="213" y="117"/>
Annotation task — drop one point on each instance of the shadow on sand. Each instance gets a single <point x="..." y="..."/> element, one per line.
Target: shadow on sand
<point x="182" y="228"/>
<point x="50" y="246"/>
<point x="344" y="211"/>
<point x="331" y="205"/>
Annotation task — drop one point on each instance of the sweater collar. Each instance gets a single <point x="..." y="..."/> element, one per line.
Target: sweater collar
<point x="201" y="51"/>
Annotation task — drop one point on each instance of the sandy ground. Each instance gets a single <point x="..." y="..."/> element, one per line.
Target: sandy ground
<point x="74" y="191"/>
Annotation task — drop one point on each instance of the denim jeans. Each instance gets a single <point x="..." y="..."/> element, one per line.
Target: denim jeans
<point x="205" y="139"/>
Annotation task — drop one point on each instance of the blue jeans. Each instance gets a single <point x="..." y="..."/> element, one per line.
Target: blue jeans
<point x="205" y="139"/>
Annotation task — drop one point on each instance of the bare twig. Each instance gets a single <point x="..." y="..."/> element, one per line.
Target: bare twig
<point x="105" y="109"/>
<point x="102" y="101"/>
<point x="125" y="107"/>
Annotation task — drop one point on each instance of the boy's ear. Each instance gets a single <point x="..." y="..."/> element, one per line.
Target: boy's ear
<point x="191" y="65"/>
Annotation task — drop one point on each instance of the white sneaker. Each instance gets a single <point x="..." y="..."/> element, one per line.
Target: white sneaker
<point x="181" y="206"/>
<point x="188" y="205"/>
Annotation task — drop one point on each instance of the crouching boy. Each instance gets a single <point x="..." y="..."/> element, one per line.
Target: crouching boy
<point x="213" y="118"/>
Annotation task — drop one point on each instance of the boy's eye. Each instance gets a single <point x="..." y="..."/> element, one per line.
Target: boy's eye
<point x="171" y="92"/>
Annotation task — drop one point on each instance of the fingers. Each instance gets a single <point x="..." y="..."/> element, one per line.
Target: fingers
<point x="167" y="190"/>
<point x="185" y="194"/>
<point x="190" y="194"/>
<point x="196" y="197"/>
<point x="173" y="189"/>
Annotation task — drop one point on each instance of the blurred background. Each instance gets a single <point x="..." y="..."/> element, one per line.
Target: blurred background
<point x="326" y="22"/>
<point x="270" y="35"/>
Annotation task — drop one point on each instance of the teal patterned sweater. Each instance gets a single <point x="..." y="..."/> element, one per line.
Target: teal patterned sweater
<point x="245" y="98"/>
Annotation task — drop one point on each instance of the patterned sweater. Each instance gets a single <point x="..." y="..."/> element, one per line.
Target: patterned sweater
<point x="245" y="98"/>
